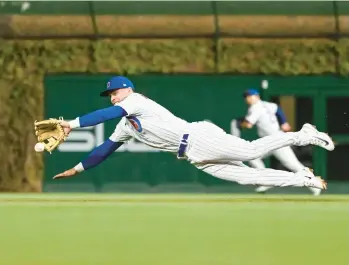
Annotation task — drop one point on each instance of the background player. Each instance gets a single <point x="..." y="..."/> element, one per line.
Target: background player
<point x="203" y="144"/>
<point x="270" y="119"/>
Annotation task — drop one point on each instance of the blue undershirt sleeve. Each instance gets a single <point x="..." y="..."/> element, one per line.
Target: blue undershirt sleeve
<point x="102" y="115"/>
<point x="280" y="116"/>
<point x="100" y="153"/>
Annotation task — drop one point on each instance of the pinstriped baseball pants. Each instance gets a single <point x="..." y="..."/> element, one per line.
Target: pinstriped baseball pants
<point x="221" y="155"/>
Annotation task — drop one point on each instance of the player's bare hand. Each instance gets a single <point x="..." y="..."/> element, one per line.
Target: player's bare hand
<point x="66" y="174"/>
<point x="286" y="127"/>
<point x="67" y="130"/>
<point x="66" y="127"/>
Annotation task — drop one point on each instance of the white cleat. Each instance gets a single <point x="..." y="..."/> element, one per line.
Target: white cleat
<point x="310" y="180"/>
<point x="317" y="138"/>
<point x="262" y="189"/>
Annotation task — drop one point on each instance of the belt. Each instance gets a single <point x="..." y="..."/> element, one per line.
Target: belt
<point x="183" y="146"/>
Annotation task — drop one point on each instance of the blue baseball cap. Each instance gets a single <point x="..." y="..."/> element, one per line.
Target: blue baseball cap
<point x="250" y="92"/>
<point x="117" y="82"/>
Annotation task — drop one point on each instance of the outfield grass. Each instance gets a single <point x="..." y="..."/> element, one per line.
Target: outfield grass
<point x="173" y="229"/>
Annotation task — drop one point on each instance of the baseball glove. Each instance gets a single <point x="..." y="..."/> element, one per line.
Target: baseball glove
<point x="50" y="133"/>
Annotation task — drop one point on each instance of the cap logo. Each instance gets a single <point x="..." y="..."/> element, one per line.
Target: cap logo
<point x="124" y="84"/>
<point x="108" y="84"/>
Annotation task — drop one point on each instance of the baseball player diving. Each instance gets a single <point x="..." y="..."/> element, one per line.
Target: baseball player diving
<point x="269" y="119"/>
<point x="203" y="144"/>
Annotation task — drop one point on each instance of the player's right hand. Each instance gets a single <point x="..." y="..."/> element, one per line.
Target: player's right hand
<point x="68" y="173"/>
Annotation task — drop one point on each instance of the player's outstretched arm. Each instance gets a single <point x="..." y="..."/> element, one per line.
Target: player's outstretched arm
<point x="95" y="118"/>
<point x="97" y="156"/>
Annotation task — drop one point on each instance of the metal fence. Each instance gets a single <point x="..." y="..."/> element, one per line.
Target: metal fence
<point x="187" y="19"/>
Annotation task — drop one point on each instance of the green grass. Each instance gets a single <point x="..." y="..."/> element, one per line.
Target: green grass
<point x="173" y="229"/>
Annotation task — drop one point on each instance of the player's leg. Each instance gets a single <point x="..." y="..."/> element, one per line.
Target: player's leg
<point x="258" y="163"/>
<point x="211" y="143"/>
<point x="288" y="159"/>
<point x="244" y="175"/>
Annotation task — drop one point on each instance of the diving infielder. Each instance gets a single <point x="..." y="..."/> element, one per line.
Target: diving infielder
<point x="270" y="119"/>
<point x="203" y="144"/>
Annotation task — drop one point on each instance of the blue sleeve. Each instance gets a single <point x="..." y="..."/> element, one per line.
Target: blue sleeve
<point x="102" y="115"/>
<point x="280" y="116"/>
<point x="100" y="153"/>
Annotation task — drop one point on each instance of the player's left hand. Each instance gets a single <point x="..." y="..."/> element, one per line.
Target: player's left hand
<point x="50" y="133"/>
<point x="68" y="173"/>
<point x="286" y="127"/>
<point x="66" y="127"/>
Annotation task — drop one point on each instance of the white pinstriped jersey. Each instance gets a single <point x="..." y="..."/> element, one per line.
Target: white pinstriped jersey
<point x="150" y="123"/>
<point x="263" y="115"/>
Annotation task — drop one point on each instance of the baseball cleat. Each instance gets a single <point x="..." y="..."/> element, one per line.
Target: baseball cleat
<point x="321" y="183"/>
<point x="312" y="181"/>
<point x="318" y="138"/>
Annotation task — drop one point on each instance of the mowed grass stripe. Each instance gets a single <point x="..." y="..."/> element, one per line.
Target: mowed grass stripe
<point x="167" y="198"/>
